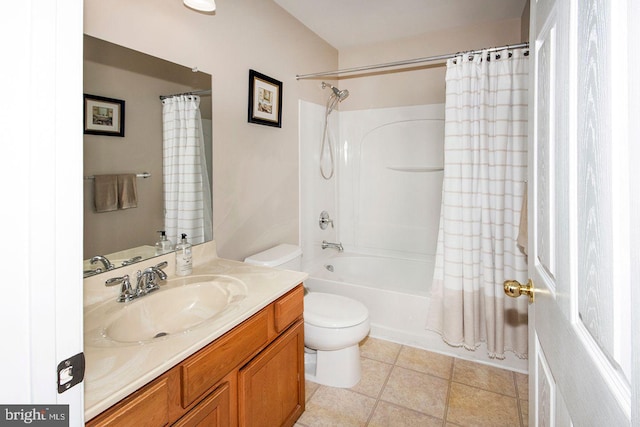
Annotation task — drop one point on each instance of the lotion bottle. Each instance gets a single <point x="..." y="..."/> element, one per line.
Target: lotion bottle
<point x="184" y="261"/>
<point x="163" y="245"/>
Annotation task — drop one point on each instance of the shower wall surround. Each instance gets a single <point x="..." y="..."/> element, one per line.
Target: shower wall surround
<point x="385" y="197"/>
<point x="390" y="180"/>
<point x="316" y="193"/>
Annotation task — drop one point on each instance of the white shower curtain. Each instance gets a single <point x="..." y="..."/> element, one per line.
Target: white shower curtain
<point x="187" y="193"/>
<point x="484" y="180"/>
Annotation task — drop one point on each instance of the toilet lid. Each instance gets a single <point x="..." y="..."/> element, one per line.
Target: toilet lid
<point x="333" y="311"/>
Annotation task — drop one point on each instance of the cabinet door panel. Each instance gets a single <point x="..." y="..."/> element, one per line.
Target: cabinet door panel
<point x="206" y="368"/>
<point x="272" y="385"/>
<point x="213" y="411"/>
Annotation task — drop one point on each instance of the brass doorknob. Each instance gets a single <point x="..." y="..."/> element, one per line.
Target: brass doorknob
<point x="514" y="289"/>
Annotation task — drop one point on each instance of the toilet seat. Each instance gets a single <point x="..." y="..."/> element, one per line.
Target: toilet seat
<point x="333" y="311"/>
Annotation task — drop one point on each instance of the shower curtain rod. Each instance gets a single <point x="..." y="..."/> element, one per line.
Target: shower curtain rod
<point x="195" y="92"/>
<point x="407" y="62"/>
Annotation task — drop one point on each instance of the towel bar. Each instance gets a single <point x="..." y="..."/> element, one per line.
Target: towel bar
<point x="139" y="175"/>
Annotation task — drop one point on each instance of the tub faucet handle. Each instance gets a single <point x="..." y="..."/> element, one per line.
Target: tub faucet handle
<point x="324" y="220"/>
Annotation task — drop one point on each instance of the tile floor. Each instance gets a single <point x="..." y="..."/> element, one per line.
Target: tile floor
<point x="405" y="386"/>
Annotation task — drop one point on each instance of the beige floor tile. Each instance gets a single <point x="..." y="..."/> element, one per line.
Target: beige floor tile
<point x="470" y="406"/>
<point x="425" y="361"/>
<point x="337" y="407"/>
<point x="522" y="383"/>
<point x="417" y="391"/>
<point x="386" y="415"/>
<point x="381" y="350"/>
<point x="485" y="377"/>
<point x="309" y="388"/>
<point x="374" y="376"/>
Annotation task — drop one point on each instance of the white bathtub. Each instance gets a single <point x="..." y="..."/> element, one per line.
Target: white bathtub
<point x="396" y="293"/>
<point x="382" y="273"/>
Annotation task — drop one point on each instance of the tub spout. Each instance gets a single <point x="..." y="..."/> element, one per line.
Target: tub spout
<point x="337" y="246"/>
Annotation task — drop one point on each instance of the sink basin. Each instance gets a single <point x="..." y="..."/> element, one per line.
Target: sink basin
<point x="181" y="305"/>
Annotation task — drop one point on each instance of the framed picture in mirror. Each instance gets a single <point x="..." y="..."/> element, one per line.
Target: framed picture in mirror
<point x="265" y="100"/>
<point x="103" y="116"/>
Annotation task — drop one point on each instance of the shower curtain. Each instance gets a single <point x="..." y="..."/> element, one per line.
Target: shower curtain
<point x="187" y="193"/>
<point x="484" y="181"/>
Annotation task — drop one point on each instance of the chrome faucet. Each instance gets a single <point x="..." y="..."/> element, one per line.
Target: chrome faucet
<point x="126" y="292"/>
<point x="145" y="282"/>
<point x="337" y="246"/>
<point x="105" y="262"/>
<point x="146" y="279"/>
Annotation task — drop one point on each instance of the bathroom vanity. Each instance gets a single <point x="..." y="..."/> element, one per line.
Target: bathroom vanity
<point x="244" y="367"/>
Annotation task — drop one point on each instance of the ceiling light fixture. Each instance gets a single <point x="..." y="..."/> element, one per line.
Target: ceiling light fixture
<point x="201" y="5"/>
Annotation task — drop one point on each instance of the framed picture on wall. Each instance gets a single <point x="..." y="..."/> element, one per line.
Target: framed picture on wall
<point x="265" y="100"/>
<point x="103" y="116"/>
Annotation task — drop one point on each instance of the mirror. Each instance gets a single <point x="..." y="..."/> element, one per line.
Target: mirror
<point x="138" y="79"/>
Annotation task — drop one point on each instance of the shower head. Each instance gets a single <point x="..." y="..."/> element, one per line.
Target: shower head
<point x="340" y="94"/>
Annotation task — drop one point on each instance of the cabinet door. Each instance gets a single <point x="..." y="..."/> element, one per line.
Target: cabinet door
<point x="271" y="386"/>
<point x="213" y="411"/>
<point x="148" y="406"/>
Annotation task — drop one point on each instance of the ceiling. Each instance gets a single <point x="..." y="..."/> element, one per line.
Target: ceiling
<point x="349" y="23"/>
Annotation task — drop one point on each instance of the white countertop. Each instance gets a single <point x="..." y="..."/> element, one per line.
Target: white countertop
<point x="115" y="370"/>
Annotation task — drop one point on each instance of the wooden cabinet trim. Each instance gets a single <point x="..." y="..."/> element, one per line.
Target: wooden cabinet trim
<point x="289" y="308"/>
<point x="147" y="406"/>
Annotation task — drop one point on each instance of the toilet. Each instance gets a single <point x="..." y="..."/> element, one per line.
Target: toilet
<point x="334" y="325"/>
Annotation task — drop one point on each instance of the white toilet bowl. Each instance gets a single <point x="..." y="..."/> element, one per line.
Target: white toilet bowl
<point x="333" y="327"/>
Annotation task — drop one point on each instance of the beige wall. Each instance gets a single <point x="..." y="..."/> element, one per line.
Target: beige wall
<point x="525" y="22"/>
<point x="116" y="72"/>
<point x="255" y="167"/>
<point x="422" y="84"/>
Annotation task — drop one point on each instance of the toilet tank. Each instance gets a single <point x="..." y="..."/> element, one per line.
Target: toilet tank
<point x="284" y="256"/>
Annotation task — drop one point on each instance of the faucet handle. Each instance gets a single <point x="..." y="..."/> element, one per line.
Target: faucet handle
<point x="148" y="277"/>
<point x="324" y="220"/>
<point x="126" y="292"/>
<point x="163" y="264"/>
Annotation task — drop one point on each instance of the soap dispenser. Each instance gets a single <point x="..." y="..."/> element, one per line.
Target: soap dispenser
<point x="163" y="245"/>
<point x="184" y="261"/>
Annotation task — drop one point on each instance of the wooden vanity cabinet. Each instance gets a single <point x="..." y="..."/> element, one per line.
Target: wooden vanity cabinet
<point x="272" y="384"/>
<point x="251" y="376"/>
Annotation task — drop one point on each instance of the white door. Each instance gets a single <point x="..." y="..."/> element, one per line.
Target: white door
<point x="41" y="173"/>
<point x="581" y="254"/>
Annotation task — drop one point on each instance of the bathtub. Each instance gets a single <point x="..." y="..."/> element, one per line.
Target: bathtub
<point x="396" y="293"/>
<point x="382" y="273"/>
